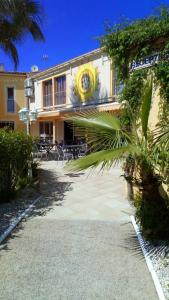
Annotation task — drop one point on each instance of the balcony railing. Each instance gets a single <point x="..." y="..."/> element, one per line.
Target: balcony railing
<point x="80" y="105"/>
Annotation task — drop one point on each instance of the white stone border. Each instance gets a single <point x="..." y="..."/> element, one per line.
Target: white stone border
<point x="18" y="219"/>
<point x="148" y="260"/>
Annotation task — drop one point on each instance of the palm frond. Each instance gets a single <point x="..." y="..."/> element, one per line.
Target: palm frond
<point x="102" y="129"/>
<point x="99" y="119"/>
<point x="35" y="31"/>
<point x="146" y="105"/>
<point x="6" y="6"/>
<point x="17" y="19"/>
<point x="11" y="50"/>
<point x="105" y="158"/>
<point x="162" y="136"/>
<point x="31" y="18"/>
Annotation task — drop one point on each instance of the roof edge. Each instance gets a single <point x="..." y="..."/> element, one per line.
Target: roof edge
<point x="13" y="73"/>
<point x="68" y="62"/>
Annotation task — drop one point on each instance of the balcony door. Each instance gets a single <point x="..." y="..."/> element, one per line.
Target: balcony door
<point x="47" y="93"/>
<point x="60" y="90"/>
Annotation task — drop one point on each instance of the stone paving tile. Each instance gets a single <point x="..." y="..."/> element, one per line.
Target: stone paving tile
<point x="78" y="243"/>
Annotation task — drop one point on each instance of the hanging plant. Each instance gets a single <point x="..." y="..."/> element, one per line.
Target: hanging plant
<point x="129" y="41"/>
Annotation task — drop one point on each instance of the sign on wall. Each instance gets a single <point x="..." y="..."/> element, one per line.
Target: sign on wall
<point x="86" y="81"/>
<point x="145" y="62"/>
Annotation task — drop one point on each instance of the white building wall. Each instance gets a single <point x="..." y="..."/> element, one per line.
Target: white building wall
<point x="37" y="103"/>
<point x="102" y="93"/>
<point x="104" y="68"/>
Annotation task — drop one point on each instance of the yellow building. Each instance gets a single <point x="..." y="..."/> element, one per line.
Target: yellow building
<point x="12" y="99"/>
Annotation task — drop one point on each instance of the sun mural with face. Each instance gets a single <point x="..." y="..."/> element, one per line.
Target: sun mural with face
<point x="86" y="81"/>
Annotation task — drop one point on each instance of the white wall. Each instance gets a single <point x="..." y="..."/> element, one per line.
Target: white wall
<point x="103" y="89"/>
<point x="100" y="95"/>
<point x="38" y="95"/>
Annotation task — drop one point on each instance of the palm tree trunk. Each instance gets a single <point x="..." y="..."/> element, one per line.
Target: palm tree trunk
<point x="153" y="211"/>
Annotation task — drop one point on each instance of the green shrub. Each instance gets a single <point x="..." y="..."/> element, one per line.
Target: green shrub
<point x="34" y="167"/>
<point x="153" y="216"/>
<point x="15" y="157"/>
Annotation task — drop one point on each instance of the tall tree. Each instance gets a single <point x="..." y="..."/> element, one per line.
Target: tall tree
<point x="17" y="19"/>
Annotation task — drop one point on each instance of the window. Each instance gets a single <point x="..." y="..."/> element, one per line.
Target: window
<point x="47" y="93"/>
<point x="10" y="100"/>
<point x="7" y="124"/>
<point x="46" y="131"/>
<point x="117" y="86"/>
<point x="60" y="90"/>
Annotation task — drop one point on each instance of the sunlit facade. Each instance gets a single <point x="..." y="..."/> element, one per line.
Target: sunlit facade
<point x="12" y="99"/>
<point x="80" y="84"/>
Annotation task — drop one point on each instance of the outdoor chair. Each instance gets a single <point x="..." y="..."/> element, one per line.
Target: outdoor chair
<point x="53" y="153"/>
<point x="63" y="154"/>
<point x="82" y="151"/>
<point x="37" y="152"/>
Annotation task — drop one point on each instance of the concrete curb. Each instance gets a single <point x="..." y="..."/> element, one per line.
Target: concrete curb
<point x="18" y="219"/>
<point x="148" y="260"/>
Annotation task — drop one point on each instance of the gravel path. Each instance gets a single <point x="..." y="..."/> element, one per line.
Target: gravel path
<point x="159" y="254"/>
<point x="77" y="244"/>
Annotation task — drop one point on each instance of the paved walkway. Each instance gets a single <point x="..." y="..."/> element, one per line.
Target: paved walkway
<point x="78" y="244"/>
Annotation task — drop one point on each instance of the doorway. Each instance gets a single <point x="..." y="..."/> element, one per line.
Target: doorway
<point x="68" y="133"/>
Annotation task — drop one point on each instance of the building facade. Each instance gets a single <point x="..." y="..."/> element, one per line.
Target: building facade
<point x="12" y="99"/>
<point x="83" y="83"/>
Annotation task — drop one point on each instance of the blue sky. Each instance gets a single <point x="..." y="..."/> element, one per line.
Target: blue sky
<point x="71" y="28"/>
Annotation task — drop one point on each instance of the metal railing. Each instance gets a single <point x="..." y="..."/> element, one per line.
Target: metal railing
<point x="79" y="104"/>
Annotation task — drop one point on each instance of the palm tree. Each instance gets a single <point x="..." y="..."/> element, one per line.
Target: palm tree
<point x="17" y="19"/>
<point x="162" y="140"/>
<point x="110" y="143"/>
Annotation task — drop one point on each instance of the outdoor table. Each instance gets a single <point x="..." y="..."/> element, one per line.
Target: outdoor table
<point x="74" y="149"/>
<point x="45" y="147"/>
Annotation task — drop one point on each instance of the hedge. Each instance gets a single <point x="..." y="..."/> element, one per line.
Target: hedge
<point x="15" y="157"/>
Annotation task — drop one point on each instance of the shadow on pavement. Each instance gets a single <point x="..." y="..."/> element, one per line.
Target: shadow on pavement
<point x="52" y="189"/>
<point x="133" y="246"/>
<point x="10" y="210"/>
<point x="74" y="174"/>
<point x="15" y="234"/>
<point x="153" y="248"/>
